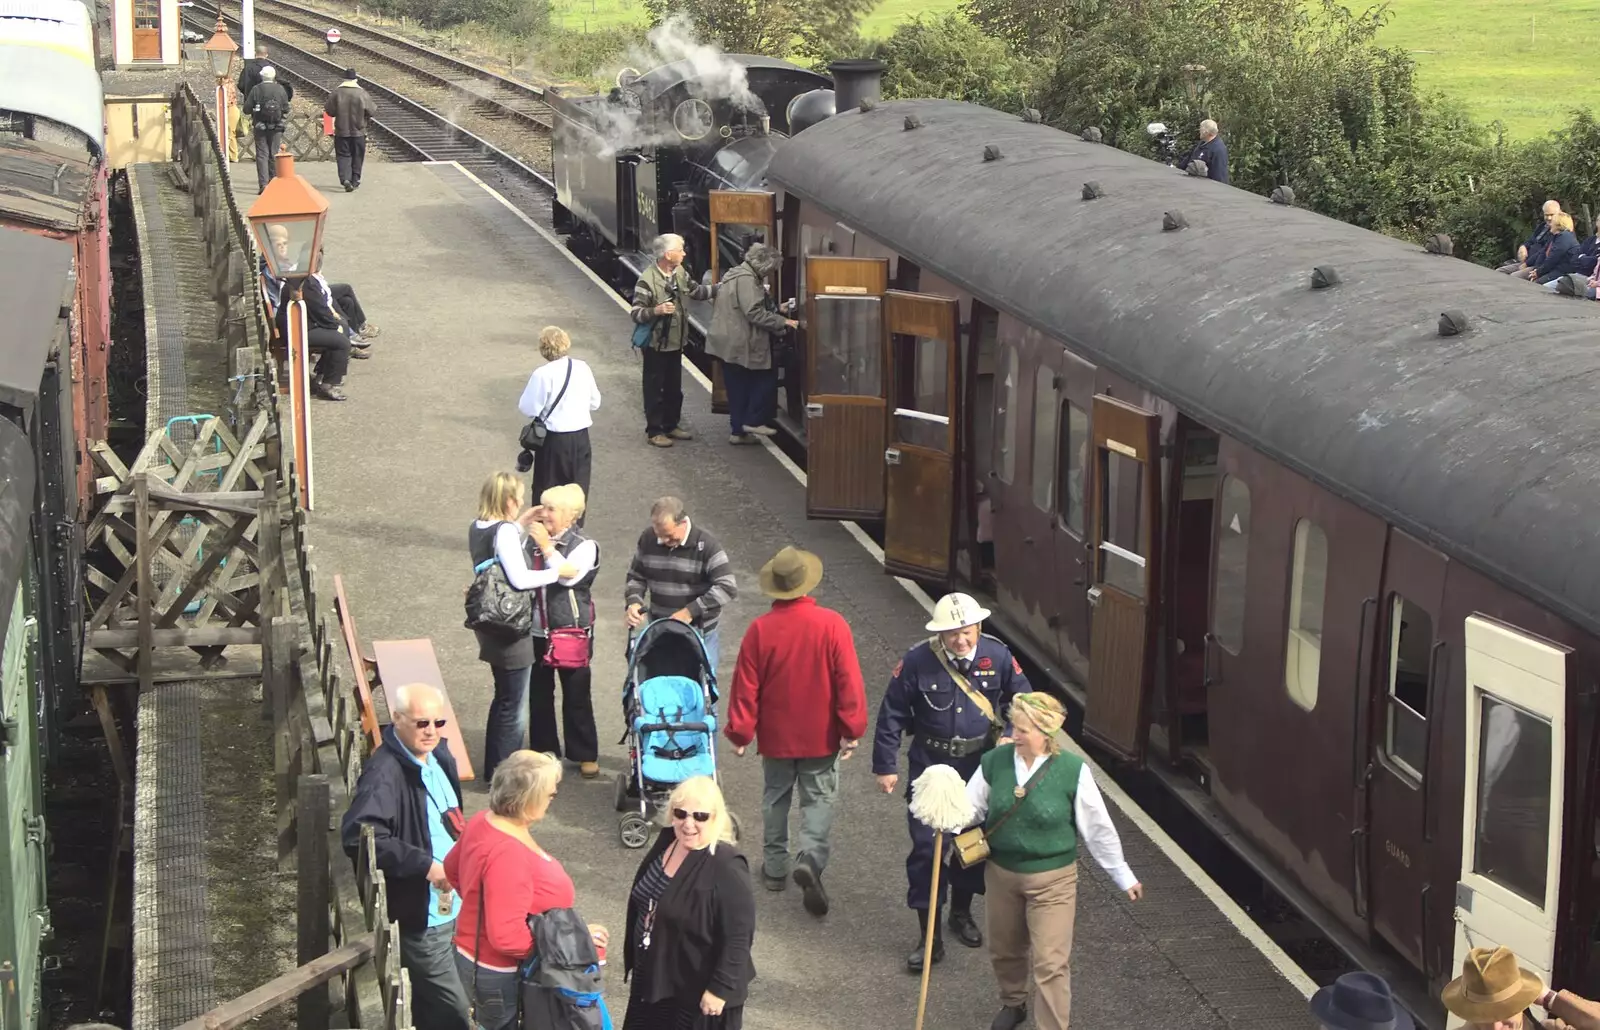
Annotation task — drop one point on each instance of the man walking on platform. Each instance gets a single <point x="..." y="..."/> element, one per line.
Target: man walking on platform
<point x="947" y="692"/>
<point x="266" y="105"/>
<point x="352" y="110"/>
<point x="797" y="688"/>
<point x="684" y="573"/>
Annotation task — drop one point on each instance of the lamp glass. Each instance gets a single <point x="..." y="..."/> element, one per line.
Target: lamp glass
<point x="288" y="244"/>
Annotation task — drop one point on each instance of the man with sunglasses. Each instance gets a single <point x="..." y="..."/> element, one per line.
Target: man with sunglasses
<point x="410" y="794"/>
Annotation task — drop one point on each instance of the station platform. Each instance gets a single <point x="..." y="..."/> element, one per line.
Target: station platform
<point x="461" y="285"/>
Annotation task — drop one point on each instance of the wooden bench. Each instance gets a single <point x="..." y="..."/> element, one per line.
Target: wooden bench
<point x="392" y="665"/>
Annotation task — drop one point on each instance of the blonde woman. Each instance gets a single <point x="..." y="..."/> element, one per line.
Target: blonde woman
<point x="497" y="535"/>
<point x="562" y="392"/>
<point x="504" y="877"/>
<point x="1559" y="257"/>
<point x="1038" y="803"/>
<point x="565" y="604"/>
<point x="691" y="920"/>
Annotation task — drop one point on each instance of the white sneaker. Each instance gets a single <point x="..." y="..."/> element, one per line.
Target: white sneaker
<point x="761" y="430"/>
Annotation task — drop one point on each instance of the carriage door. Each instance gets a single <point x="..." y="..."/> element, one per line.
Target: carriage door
<point x="845" y="387"/>
<point x="1125" y="506"/>
<point x="737" y="221"/>
<point x="919" y="463"/>
<point x="1512" y="804"/>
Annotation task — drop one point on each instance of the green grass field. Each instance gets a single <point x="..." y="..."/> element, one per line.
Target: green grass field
<point x="1521" y="61"/>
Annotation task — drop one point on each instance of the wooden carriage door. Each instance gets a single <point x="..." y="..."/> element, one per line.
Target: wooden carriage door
<point x="919" y="462"/>
<point x="845" y="387"/>
<point x="147" y="30"/>
<point x="1125" y="506"/>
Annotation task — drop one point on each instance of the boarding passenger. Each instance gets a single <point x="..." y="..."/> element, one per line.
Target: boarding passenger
<point x="1533" y="247"/>
<point x="1211" y="150"/>
<point x="1358" y="1001"/>
<point x="946" y="693"/>
<point x="505" y="877"/>
<point x="410" y="795"/>
<point x="797" y="692"/>
<point x="743" y="321"/>
<point x="691" y="920"/>
<point x="497" y="535"/>
<point x="1493" y="992"/>
<point x="266" y="105"/>
<point x="352" y="110"/>
<point x="658" y="302"/>
<point x="563" y="630"/>
<point x="1021" y="794"/>
<point x="679" y="571"/>
<point x="561" y="393"/>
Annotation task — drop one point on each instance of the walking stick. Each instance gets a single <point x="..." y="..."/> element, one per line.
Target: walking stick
<point x="939" y="802"/>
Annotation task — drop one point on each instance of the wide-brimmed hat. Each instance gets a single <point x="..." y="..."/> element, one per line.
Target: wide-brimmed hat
<point x="955" y="611"/>
<point x="1359" y="1001"/>
<point x="791" y="573"/>
<point x="1491" y="986"/>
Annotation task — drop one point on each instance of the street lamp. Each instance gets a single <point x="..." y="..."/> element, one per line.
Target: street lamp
<point x="287" y="221"/>
<point x="222" y="51"/>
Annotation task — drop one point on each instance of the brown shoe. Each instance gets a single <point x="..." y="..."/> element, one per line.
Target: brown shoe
<point x="360" y="353"/>
<point x="661" y="440"/>
<point x="589" y="770"/>
<point x="680" y="433"/>
<point x="327" y="392"/>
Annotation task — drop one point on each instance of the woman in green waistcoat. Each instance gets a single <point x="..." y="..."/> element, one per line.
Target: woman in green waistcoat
<point x="1037" y="803"/>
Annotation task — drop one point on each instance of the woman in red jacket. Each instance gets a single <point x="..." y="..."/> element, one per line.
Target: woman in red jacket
<point x="504" y="876"/>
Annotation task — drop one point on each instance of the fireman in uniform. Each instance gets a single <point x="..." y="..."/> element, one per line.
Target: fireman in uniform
<point x="951" y="726"/>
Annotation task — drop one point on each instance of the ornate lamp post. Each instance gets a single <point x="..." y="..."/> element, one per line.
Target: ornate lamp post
<point x="222" y="52"/>
<point x="287" y="220"/>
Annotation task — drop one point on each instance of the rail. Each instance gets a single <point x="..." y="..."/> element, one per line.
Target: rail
<point x="345" y="935"/>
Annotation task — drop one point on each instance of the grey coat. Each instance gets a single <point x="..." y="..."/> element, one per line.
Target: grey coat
<point x="743" y="320"/>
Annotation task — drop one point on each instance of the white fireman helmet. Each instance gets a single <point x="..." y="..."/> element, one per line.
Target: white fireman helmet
<point x="955" y="611"/>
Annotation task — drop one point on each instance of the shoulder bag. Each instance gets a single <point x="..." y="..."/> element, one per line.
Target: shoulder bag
<point x="972" y="846"/>
<point x="534" y="432"/>
<point x="975" y="696"/>
<point x="495" y="605"/>
<point x="569" y="647"/>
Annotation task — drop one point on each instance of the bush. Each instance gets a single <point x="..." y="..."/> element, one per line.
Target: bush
<point x="950" y="57"/>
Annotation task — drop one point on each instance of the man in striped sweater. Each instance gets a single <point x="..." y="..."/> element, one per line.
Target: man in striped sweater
<point x="683" y="572"/>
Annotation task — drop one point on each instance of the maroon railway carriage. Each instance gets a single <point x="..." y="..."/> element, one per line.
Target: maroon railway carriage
<point x="1331" y="571"/>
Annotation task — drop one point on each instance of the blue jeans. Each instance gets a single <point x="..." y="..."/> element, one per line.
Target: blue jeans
<point x="438" y="1001"/>
<point x="752" y="396"/>
<point x="508" y="717"/>
<point x="494" y="999"/>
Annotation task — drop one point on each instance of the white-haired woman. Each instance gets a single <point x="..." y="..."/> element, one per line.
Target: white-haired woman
<point x="562" y="393"/>
<point x="564" y="605"/>
<point x="743" y="322"/>
<point x="691" y="920"/>
<point x="658" y="302"/>
<point x="1038" y="803"/>
<point x="504" y="877"/>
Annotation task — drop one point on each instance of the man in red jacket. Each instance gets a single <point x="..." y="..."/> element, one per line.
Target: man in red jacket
<point x="798" y="687"/>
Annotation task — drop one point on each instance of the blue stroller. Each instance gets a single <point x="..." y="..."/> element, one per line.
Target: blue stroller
<point x="669" y="706"/>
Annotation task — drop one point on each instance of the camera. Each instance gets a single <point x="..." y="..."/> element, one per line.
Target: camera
<point x="1166" y="143"/>
<point x="524" y="461"/>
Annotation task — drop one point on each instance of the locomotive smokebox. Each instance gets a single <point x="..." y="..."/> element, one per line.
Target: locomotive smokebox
<point x="855" y="80"/>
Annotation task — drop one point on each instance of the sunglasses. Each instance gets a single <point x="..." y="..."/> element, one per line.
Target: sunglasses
<point x="437" y="724"/>
<point x="699" y="817"/>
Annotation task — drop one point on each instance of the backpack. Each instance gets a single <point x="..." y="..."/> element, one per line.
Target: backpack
<point x="270" y="110"/>
<point x="561" y="986"/>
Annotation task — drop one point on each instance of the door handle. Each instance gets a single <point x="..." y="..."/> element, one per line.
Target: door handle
<point x="1027" y="540"/>
<point x="1206" y="679"/>
<point x="813" y="411"/>
<point x="1094" y="597"/>
<point x="891" y="456"/>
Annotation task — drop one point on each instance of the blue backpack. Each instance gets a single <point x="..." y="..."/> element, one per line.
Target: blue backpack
<point x="561" y="982"/>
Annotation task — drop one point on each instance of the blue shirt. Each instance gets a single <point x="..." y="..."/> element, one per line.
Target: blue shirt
<point x="441" y="798"/>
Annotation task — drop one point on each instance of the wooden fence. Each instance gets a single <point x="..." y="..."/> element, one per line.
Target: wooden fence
<point x="345" y="935"/>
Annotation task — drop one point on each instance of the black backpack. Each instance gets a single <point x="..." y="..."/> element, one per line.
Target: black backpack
<point x="270" y="110"/>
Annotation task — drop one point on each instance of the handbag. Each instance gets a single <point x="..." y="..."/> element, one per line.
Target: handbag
<point x="972" y="846"/>
<point x="533" y="434"/>
<point x="561" y="982"/>
<point x="642" y="334"/>
<point x="493" y="604"/>
<point x="567" y="647"/>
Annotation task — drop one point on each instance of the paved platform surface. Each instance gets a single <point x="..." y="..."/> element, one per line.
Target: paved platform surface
<point x="461" y="287"/>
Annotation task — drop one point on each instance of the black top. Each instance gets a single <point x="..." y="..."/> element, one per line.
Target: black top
<point x="501" y="650"/>
<point x="704" y="923"/>
<point x="1481" y="444"/>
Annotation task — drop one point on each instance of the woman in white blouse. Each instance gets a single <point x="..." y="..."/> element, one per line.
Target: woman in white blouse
<point x="1038" y="805"/>
<point x="562" y="392"/>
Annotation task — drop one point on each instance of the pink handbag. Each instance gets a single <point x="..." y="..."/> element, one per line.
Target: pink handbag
<point x="568" y="648"/>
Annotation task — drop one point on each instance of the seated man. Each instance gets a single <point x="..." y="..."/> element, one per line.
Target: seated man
<point x="1533" y="248"/>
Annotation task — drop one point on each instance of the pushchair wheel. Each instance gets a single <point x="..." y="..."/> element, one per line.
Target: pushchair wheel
<point x="634" y="830"/>
<point x="621" y="800"/>
<point x="738" y="827"/>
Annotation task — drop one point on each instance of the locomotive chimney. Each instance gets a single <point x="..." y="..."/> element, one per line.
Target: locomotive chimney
<point x="855" y="80"/>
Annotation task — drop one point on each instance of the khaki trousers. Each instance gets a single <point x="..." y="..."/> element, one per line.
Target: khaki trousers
<point x="1037" y="911"/>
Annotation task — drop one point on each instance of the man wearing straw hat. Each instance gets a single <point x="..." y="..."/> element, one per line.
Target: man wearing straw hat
<point x="946" y="693"/>
<point x="797" y="688"/>
<point x="1493" y="991"/>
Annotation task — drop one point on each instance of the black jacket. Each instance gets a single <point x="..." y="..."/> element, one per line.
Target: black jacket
<point x="390" y="798"/>
<point x="320" y="311"/>
<point x="704" y="926"/>
<point x="1214" y="153"/>
<point x="250" y="77"/>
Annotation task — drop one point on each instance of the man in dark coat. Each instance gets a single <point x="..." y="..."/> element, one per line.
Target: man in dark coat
<point x="266" y="106"/>
<point x="743" y="320"/>
<point x="352" y="110"/>
<point x="250" y="74"/>
<point x="1211" y="150"/>
<point x="410" y="796"/>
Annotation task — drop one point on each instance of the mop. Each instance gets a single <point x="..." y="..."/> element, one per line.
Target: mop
<point x="939" y="802"/>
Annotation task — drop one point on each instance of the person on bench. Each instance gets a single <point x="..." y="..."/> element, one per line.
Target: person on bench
<point x="327" y="333"/>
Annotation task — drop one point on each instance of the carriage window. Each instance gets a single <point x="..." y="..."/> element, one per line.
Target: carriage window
<point x="848" y="345"/>
<point x="1304" y="652"/>
<point x="1233" y="553"/>
<point x="1044" y="437"/>
<point x="1007" y="414"/>
<point x="1073" y="429"/>
<point x="1125" y="542"/>
<point x="922" y="391"/>
<point x="1511" y="845"/>
<point x="1410" y="651"/>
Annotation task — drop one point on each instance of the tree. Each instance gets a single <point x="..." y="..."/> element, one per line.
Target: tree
<point x="950" y="57"/>
<point x="777" y="28"/>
